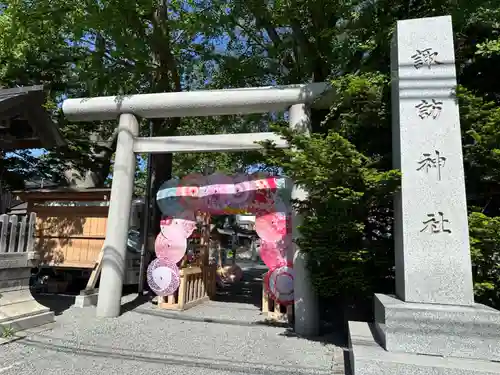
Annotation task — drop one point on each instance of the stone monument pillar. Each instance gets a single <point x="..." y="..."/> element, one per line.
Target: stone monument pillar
<point x="432" y="325"/>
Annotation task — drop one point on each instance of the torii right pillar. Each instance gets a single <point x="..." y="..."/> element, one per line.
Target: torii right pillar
<point x="432" y="326"/>
<point x="306" y="302"/>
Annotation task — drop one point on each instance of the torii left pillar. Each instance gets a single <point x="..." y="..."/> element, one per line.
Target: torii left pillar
<point x="115" y="245"/>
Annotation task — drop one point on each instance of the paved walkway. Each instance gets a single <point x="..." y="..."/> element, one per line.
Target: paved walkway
<point x="214" y="338"/>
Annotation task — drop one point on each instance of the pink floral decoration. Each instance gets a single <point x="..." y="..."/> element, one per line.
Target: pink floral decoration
<point x="271" y="254"/>
<point x="243" y="192"/>
<point x="263" y="181"/>
<point x="171" y="244"/>
<point x="189" y="191"/>
<point x="216" y="194"/>
<point x="185" y="221"/>
<point x="272" y="226"/>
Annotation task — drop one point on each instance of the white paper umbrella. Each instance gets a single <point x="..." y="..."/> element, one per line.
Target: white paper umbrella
<point x="163" y="277"/>
<point x="280" y="284"/>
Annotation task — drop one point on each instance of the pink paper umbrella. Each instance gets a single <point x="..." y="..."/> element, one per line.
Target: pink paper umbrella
<point x="171" y="244"/>
<point x="185" y="221"/>
<point x="280" y="284"/>
<point x="163" y="277"/>
<point x="243" y="193"/>
<point x="263" y="181"/>
<point x="272" y="226"/>
<point x="271" y="255"/>
<point x="217" y="192"/>
<point x="189" y="191"/>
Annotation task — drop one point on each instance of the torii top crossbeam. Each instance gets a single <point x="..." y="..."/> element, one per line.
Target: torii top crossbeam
<point x="197" y="103"/>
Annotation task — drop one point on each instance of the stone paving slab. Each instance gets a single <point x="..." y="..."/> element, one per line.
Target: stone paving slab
<point x="146" y="341"/>
<point x="218" y="312"/>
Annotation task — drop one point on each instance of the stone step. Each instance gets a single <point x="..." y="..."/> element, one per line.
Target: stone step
<point x="368" y="357"/>
<point x="30" y="321"/>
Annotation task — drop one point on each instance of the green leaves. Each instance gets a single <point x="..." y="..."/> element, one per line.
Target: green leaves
<point x="489" y="48"/>
<point x="90" y="48"/>
<point x="480" y="120"/>
<point x="18" y="167"/>
<point x="348" y="215"/>
<point x="485" y="252"/>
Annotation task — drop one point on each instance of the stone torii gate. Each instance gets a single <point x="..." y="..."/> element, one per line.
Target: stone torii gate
<point x="298" y="99"/>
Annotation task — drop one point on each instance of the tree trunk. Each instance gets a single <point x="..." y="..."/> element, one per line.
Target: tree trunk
<point x="165" y="79"/>
<point x="162" y="171"/>
<point x="95" y="177"/>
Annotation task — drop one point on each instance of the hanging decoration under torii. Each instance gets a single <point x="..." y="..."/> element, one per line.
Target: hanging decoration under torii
<point x="268" y="197"/>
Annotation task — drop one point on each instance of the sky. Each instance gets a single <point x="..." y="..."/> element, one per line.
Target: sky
<point x="37" y="152"/>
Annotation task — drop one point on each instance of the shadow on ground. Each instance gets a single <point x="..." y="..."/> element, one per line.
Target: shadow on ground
<point x="55" y="302"/>
<point x="335" y="337"/>
<point x="247" y="291"/>
<point x="180" y="316"/>
<point x="58" y="303"/>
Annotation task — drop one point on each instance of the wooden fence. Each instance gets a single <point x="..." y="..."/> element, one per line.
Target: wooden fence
<point x="70" y="236"/>
<point x="17" y="234"/>
<point x="272" y="310"/>
<point x="197" y="286"/>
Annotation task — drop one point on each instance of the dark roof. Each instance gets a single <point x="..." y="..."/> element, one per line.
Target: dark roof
<point x="19" y="208"/>
<point x="24" y="122"/>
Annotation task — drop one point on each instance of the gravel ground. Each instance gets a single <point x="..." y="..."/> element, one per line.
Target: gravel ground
<point x="214" y="338"/>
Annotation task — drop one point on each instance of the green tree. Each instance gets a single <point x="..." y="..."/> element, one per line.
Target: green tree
<point x="346" y="164"/>
<point x="16" y="167"/>
<point x="348" y="214"/>
<point x="485" y="251"/>
<point x="351" y="247"/>
<point x="89" y="48"/>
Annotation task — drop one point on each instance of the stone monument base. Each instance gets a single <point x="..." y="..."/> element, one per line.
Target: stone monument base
<point x="20" y="311"/>
<point x="444" y="330"/>
<point x="368" y="357"/>
<point x="421" y="339"/>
